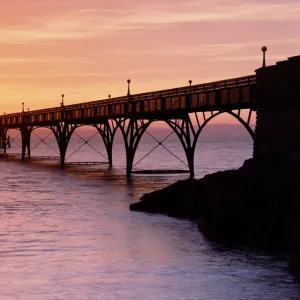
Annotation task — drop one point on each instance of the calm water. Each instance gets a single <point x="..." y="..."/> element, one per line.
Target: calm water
<point x="70" y="235"/>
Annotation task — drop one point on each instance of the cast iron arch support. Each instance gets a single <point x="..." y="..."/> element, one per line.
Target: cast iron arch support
<point x="63" y="132"/>
<point x="246" y="124"/>
<point x="107" y="131"/>
<point x="132" y="131"/>
<point x="188" y="135"/>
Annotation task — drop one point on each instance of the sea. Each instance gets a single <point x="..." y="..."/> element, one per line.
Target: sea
<point x="69" y="234"/>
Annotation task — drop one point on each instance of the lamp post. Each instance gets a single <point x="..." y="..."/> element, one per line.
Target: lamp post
<point x="264" y="50"/>
<point x="62" y="100"/>
<point x="190" y="82"/>
<point x="128" y="92"/>
<point x="22" y="106"/>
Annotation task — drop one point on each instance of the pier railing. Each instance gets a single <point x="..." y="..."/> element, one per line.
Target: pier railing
<point x="138" y="103"/>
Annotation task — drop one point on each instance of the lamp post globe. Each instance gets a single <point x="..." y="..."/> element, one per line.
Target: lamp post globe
<point x="128" y="82"/>
<point x="264" y="50"/>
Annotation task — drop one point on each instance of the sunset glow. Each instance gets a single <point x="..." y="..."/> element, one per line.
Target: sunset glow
<point x="88" y="49"/>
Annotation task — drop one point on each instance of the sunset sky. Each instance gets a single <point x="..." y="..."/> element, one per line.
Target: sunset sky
<point x="88" y="49"/>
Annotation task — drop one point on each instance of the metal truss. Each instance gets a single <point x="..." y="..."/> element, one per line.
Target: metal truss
<point x="132" y="130"/>
<point x="187" y="132"/>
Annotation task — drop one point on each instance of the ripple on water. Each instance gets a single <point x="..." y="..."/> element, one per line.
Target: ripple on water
<point x="70" y="235"/>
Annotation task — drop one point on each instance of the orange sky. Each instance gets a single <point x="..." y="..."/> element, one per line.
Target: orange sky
<point x="88" y="49"/>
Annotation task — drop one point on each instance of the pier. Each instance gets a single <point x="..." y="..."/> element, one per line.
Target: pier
<point x="273" y="93"/>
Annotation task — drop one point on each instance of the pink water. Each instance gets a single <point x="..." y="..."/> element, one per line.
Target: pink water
<point x="70" y="235"/>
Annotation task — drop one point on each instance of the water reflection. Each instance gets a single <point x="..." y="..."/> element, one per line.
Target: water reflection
<point x="70" y="235"/>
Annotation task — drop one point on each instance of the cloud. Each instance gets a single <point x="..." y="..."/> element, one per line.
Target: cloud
<point x="82" y="24"/>
<point x="218" y="10"/>
<point x="11" y="60"/>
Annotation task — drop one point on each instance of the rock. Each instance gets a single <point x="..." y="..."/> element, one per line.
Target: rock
<point x="257" y="205"/>
<point x="294" y="263"/>
<point x="169" y="200"/>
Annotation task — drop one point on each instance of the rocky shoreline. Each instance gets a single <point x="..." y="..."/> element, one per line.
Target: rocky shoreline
<point x="257" y="205"/>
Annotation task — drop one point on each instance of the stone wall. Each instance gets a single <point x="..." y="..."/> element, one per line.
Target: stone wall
<point x="277" y="102"/>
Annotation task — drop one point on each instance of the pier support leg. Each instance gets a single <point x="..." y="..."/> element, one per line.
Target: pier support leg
<point x="109" y="153"/>
<point x="3" y="140"/>
<point x="63" y="132"/>
<point x="130" y="152"/>
<point x="26" y="135"/>
<point x="132" y="130"/>
<point x="107" y="131"/>
<point x="28" y="146"/>
<point x="62" y="151"/>
<point x="190" y="153"/>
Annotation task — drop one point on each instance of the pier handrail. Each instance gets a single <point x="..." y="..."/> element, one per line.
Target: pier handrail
<point x="204" y="87"/>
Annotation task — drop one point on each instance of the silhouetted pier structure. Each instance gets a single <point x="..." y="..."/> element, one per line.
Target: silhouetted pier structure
<point x="133" y="114"/>
<point x="86" y="163"/>
<point x="42" y="157"/>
